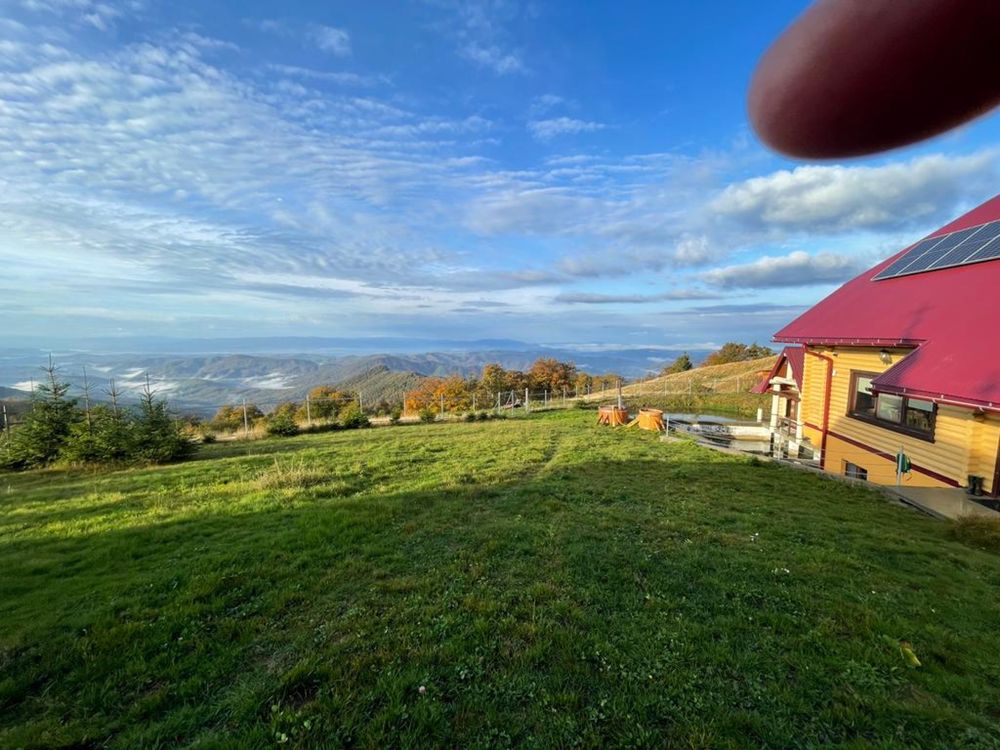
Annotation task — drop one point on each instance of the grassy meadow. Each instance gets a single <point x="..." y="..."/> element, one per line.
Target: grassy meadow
<point x="533" y="582"/>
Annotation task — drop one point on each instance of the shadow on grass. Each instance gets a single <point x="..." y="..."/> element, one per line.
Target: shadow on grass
<point x="658" y="601"/>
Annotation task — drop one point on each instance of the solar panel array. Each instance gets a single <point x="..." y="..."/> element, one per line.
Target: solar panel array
<point x="960" y="248"/>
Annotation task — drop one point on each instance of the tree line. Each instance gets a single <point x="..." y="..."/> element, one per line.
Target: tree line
<point x="58" y="427"/>
<point x="547" y="374"/>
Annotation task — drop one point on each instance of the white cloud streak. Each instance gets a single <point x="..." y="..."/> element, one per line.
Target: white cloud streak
<point x="545" y="130"/>
<point x="840" y="198"/>
<point x="798" y="268"/>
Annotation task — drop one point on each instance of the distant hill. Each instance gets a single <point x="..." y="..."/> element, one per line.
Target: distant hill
<point x="200" y="383"/>
<point x="13" y="394"/>
<point x="735" y="377"/>
<point x="382" y="384"/>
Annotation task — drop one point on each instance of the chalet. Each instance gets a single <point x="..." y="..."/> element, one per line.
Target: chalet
<point x="905" y="357"/>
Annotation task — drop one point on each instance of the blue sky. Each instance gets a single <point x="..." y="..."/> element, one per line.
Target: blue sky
<point x="553" y="172"/>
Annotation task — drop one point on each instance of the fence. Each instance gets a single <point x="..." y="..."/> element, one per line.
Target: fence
<point x="316" y="412"/>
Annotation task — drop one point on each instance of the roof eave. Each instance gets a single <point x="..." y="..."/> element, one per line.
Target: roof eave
<point x="847" y="341"/>
<point x="937" y="396"/>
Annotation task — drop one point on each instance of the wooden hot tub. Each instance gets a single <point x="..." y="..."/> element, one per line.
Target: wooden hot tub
<point x="612" y="415"/>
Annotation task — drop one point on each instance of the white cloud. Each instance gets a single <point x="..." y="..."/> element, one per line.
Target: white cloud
<point x="547" y="129"/>
<point x="100" y="14"/>
<point x="837" y="198"/>
<point x="338" y="77"/>
<point x="588" y="298"/>
<point x="500" y="61"/>
<point x="333" y="40"/>
<point x="795" y="269"/>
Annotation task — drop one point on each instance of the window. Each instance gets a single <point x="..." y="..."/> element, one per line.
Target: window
<point x="919" y="415"/>
<point x="853" y="471"/>
<point x="864" y="399"/>
<point x="889" y="407"/>
<point x="912" y="416"/>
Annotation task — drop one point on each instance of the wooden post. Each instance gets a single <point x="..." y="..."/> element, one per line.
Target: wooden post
<point x="6" y="424"/>
<point x="526" y="396"/>
<point x="473" y="402"/>
<point x="442" y="405"/>
<point x="86" y="397"/>
<point x="309" y="414"/>
<point x="564" y="397"/>
<point x="498" y="402"/>
<point x="246" y="420"/>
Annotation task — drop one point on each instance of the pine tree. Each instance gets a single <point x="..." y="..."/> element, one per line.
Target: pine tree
<point x="157" y="436"/>
<point x="46" y="427"/>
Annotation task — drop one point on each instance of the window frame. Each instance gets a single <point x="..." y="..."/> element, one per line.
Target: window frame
<point x="854" y="471"/>
<point x="901" y="426"/>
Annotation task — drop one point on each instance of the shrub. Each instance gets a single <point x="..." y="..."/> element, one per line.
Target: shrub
<point x="395" y="414"/>
<point x="208" y="438"/>
<point x="427" y="415"/>
<point x="483" y="416"/>
<point x="282" y="425"/>
<point x="470" y="416"/>
<point x="230" y="418"/>
<point x="352" y="417"/>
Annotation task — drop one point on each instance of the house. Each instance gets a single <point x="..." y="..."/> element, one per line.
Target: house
<point x="907" y="357"/>
<point x="784" y="383"/>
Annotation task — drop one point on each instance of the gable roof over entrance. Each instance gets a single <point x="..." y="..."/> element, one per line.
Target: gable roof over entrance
<point x="793" y="355"/>
<point x="951" y="316"/>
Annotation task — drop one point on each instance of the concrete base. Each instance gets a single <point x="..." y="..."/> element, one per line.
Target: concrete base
<point x="942" y="502"/>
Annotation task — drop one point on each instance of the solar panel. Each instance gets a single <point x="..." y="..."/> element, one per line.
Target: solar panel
<point x="960" y="248"/>
<point x="916" y="251"/>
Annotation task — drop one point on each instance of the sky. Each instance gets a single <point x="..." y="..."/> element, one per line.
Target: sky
<point x="553" y="172"/>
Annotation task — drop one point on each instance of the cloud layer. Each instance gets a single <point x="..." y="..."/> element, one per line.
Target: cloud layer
<point x="178" y="180"/>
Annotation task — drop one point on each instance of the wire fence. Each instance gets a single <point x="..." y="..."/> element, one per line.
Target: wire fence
<point x="244" y="417"/>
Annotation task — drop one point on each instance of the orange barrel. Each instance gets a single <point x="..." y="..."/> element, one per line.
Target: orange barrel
<point x="651" y="419"/>
<point x="612" y="415"/>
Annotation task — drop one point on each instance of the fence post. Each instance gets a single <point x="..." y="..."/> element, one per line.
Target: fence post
<point x="498" y="402"/>
<point x="526" y="396"/>
<point x="441" y="410"/>
<point x="545" y="398"/>
<point x="246" y="420"/>
<point x="6" y="424"/>
<point x="564" y="397"/>
<point x="473" y="402"/>
<point x="361" y="402"/>
<point x="309" y="414"/>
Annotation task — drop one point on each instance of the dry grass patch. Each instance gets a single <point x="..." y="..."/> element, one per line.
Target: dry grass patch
<point x="978" y="531"/>
<point x="285" y="474"/>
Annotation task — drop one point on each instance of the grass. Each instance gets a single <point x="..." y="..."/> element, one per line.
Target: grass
<point x="538" y="582"/>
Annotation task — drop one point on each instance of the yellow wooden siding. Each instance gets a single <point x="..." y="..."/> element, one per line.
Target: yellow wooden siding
<point x="962" y="445"/>
<point x="813" y="389"/>
<point x="985" y="439"/>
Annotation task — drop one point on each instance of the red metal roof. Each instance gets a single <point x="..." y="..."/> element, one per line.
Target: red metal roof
<point x="951" y="316"/>
<point x="795" y="356"/>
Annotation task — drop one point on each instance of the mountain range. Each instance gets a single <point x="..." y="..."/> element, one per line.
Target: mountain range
<point x="201" y="382"/>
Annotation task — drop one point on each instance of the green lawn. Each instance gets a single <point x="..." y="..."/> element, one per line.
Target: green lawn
<point x="538" y="582"/>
